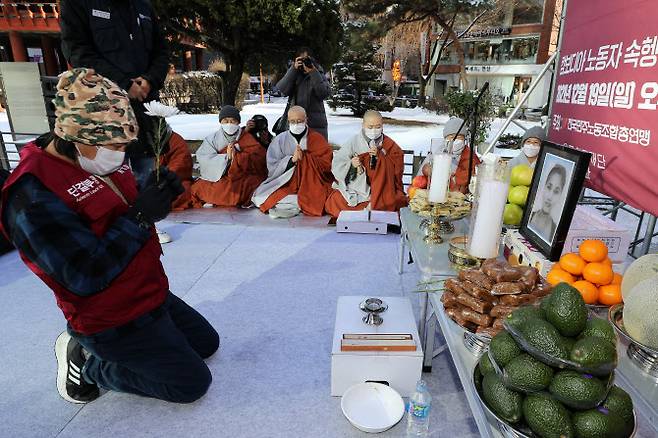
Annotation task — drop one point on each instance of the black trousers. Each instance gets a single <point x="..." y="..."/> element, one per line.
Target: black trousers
<point x="158" y="355"/>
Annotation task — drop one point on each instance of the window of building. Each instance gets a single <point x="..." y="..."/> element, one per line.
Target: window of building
<point x="528" y="12"/>
<point x="524" y="49"/>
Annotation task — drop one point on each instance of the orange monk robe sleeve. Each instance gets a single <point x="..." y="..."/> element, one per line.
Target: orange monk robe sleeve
<point x="178" y="159"/>
<point x="251" y="160"/>
<point x="459" y="182"/>
<point x="386" y="187"/>
<point x="314" y="175"/>
<point x="319" y="156"/>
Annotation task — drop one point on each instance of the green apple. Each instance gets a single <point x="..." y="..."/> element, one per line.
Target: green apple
<point x="512" y="215"/>
<point x="521" y="175"/>
<point x="518" y="195"/>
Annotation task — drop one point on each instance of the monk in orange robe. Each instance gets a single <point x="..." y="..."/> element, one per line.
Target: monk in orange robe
<point x="368" y="171"/>
<point x="299" y="165"/>
<point x="232" y="164"/>
<point x="178" y="159"/>
<point x="455" y="142"/>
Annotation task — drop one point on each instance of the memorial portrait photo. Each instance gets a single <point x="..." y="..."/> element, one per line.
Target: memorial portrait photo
<point x="556" y="186"/>
<point x="548" y="205"/>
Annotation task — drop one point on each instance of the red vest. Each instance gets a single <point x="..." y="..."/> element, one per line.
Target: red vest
<point x="141" y="287"/>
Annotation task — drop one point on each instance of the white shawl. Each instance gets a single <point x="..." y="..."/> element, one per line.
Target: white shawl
<point x="212" y="163"/>
<point x="357" y="190"/>
<point x="279" y="154"/>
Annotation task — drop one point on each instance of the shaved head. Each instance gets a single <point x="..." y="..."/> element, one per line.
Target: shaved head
<point x="297" y="113"/>
<point x="372" y="119"/>
<point x="373" y="115"/>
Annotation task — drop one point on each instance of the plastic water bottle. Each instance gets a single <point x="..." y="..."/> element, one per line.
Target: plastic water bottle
<point x="418" y="413"/>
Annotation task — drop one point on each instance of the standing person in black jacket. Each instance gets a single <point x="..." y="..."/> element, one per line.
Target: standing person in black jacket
<point x="121" y="40"/>
<point x="306" y="84"/>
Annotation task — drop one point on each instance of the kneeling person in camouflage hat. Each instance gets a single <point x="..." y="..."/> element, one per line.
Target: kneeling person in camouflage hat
<point x="73" y="210"/>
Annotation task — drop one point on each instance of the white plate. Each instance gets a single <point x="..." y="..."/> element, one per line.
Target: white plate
<point x="372" y="407"/>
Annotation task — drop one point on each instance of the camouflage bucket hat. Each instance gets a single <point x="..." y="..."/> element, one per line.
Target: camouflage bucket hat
<point x="91" y="109"/>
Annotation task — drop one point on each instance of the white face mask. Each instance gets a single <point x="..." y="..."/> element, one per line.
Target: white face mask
<point x="105" y="162"/>
<point x="531" y="150"/>
<point x="230" y="128"/>
<point x="297" y="128"/>
<point x="458" y="146"/>
<point x="373" y="134"/>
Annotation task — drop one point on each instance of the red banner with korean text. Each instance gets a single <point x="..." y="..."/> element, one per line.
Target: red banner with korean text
<point x="606" y="96"/>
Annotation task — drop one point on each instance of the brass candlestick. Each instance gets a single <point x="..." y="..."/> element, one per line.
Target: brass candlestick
<point x="434" y="227"/>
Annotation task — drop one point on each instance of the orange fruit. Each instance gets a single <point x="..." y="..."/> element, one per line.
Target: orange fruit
<point x="607" y="261"/>
<point x="572" y="263"/>
<point x="412" y="191"/>
<point x="598" y="273"/>
<point x="589" y="292"/>
<point x="420" y="181"/>
<point x="610" y="294"/>
<point x="558" y="275"/>
<point x="617" y="278"/>
<point x="593" y="251"/>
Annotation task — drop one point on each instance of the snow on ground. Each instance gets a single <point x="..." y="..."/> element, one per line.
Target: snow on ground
<point x="342" y="125"/>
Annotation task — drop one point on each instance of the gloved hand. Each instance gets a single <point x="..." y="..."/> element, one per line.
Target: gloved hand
<point x="173" y="182"/>
<point x="154" y="202"/>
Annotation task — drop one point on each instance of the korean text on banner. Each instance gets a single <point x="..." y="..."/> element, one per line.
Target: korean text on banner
<point x="606" y="96"/>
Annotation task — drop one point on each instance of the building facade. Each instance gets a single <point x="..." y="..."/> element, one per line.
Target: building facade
<point x="509" y="54"/>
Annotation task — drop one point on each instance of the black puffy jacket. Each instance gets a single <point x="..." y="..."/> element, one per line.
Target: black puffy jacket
<point x="120" y="39"/>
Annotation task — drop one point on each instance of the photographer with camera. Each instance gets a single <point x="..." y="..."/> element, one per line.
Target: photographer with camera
<point x="305" y="85"/>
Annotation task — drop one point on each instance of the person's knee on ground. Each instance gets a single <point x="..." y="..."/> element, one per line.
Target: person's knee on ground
<point x="190" y="391"/>
<point x="210" y="345"/>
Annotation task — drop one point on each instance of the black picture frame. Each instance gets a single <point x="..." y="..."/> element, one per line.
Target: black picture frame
<point x="550" y="208"/>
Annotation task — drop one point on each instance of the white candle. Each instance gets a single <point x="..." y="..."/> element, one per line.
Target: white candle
<point x="441" y="167"/>
<point x="437" y="145"/>
<point x="485" y="235"/>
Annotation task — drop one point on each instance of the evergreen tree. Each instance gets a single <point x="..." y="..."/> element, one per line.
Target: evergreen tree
<point x="357" y="71"/>
<point x="445" y="13"/>
<point x="251" y="32"/>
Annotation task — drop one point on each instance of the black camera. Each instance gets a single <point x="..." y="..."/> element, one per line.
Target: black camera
<point x="308" y="63"/>
<point x="260" y="122"/>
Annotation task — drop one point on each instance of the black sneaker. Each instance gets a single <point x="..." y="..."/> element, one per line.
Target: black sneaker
<point x="71" y="385"/>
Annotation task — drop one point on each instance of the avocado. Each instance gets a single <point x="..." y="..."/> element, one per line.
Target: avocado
<point x="522" y="314"/>
<point x="543" y="336"/>
<point x="547" y="417"/>
<point x="503" y="348"/>
<point x="543" y="305"/>
<point x="620" y="403"/>
<point x="569" y="343"/>
<point x="527" y="374"/>
<point x="566" y="310"/>
<point x="485" y="364"/>
<point x="576" y="390"/>
<point x="598" y="423"/>
<point x="477" y="378"/>
<point x="505" y="403"/>
<point x="600" y="328"/>
<point x="596" y="354"/>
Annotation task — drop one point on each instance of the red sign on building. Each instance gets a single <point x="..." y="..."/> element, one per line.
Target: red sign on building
<point x="606" y="96"/>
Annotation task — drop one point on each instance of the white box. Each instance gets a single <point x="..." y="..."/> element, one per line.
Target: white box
<point x="400" y="369"/>
<point x="518" y="251"/>
<point x="589" y="223"/>
<point x="366" y="221"/>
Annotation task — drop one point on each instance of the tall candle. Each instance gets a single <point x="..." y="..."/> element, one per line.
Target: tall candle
<point x="437" y="145"/>
<point x="441" y="167"/>
<point x="485" y="234"/>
